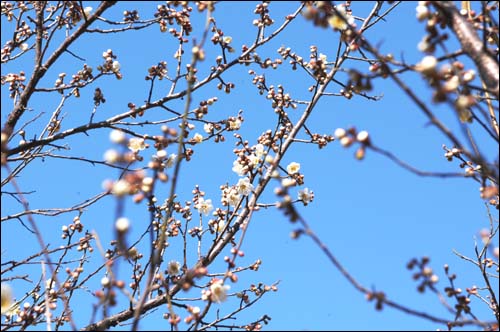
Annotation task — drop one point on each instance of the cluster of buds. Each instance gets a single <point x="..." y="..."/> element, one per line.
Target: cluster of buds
<point x="321" y="140"/>
<point x="168" y="15"/>
<point x="425" y="273"/>
<point x="108" y="297"/>
<point x="159" y="71"/>
<point x="202" y="110"/>
<point x="110" y="65"/>
<point x="130" y="184"/>
<point x="263" y="10"/>
<point x="491" y="193"/>
<point x="130" y="16"/>
<point x="23" y="32"/>
<point x="187" y="281"/>
<point x="191" y="77"/>
<point x="470" y="168"/>
<point x="448" y="78"/>
<point x="194" y="314"/>
<point x="295" y="59"/>
<point x="72" y="277"/>
<point x="463" y="301"/>
<point x="357" y="83"/>
<point x="226" y="86"/>
<point x="351" y="136"/>
<point x="218" y="38"/>
<point x="219" y="224"/>
<point x="380" y="68"/>
<point x="247" y="58"/>
<point x="204" y="5"/>
<point x="452" y="153"/>
<point x="318" y="64"/>
<point x="280" y="99"/>
<point x="15" y="81"/>
<point x="27" y="313"/>
<point x="266" y="63"/>
<point x="259" y="81"/>
<point x="134" y="144"/>
<point x="262" y="288"/>
<point x="174" y="228"/>
<point x="59" y="83"/>
<point x="136" y="276"/>
<point x="69" y="230"/>
<point x="433" y="21"/>
<point x="84" y="243"/>
<point x="98" y="97"/>
<point x="161" y="160"/>
<point x="11" y="46"/>
<point x="75" y="14"/>
<point x="7" y="50"/>
<point x="173" y="319"/>
<point x="79" y="79"/>
<point x="379" y="298"/>
<point x="8" y="10"/>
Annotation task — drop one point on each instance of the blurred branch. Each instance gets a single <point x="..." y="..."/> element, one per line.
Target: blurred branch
<point x="471" y="44"/>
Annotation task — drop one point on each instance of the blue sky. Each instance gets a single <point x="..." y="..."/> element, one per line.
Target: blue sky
<point x="373" y="215"/>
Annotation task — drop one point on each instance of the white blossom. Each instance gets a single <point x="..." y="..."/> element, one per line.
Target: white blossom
<point x="306" y="196"/>
<point x="117" y="136"/>
<point x="208" y="128"/>
<point x="120" y="188"/>
<point x="244" y="186"/>
<point x="218" y="291"/>
<point x="427" y="65"/>
<point x="87" y="11"/>
<point x="116" y="66"/>
<point x="234" y="124"/>
<point x="6" y="295"/>
<point x="174" y="268"/>
<point x="198" y="138"/>
<point x="122" y="225"/>
<point x="204" y="206"/>
<point x="293" y="168"/>
<point x="341" y="19"/>
<point x="171" y="159"/>
<point x="136" y="144"/>
<point x="238" y="168"/>
<point x="111" y="156"/>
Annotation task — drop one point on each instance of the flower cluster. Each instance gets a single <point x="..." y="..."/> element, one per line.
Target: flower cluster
<point x="110" y="65"/>
<point x="350" y="136"/>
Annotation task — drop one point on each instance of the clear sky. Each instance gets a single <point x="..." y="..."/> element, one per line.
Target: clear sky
<point x="373" y="215"/>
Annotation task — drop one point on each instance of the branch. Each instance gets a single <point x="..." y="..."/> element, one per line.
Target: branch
<point x="471" y="44"/>
<point x="40" y="69"/>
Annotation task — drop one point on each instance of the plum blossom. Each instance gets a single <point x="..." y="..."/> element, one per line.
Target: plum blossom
<point x="293" y="168"/>
<point x="244" y="186"/>
<point x="204" y="206"/>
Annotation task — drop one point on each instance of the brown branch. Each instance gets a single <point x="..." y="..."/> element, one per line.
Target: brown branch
<point x="410" y="168"/>
<point x="40" y="69"/>
<point x="471" y="44"/>
<point x="378" y="296"/>
<point x="56" y="211"/>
